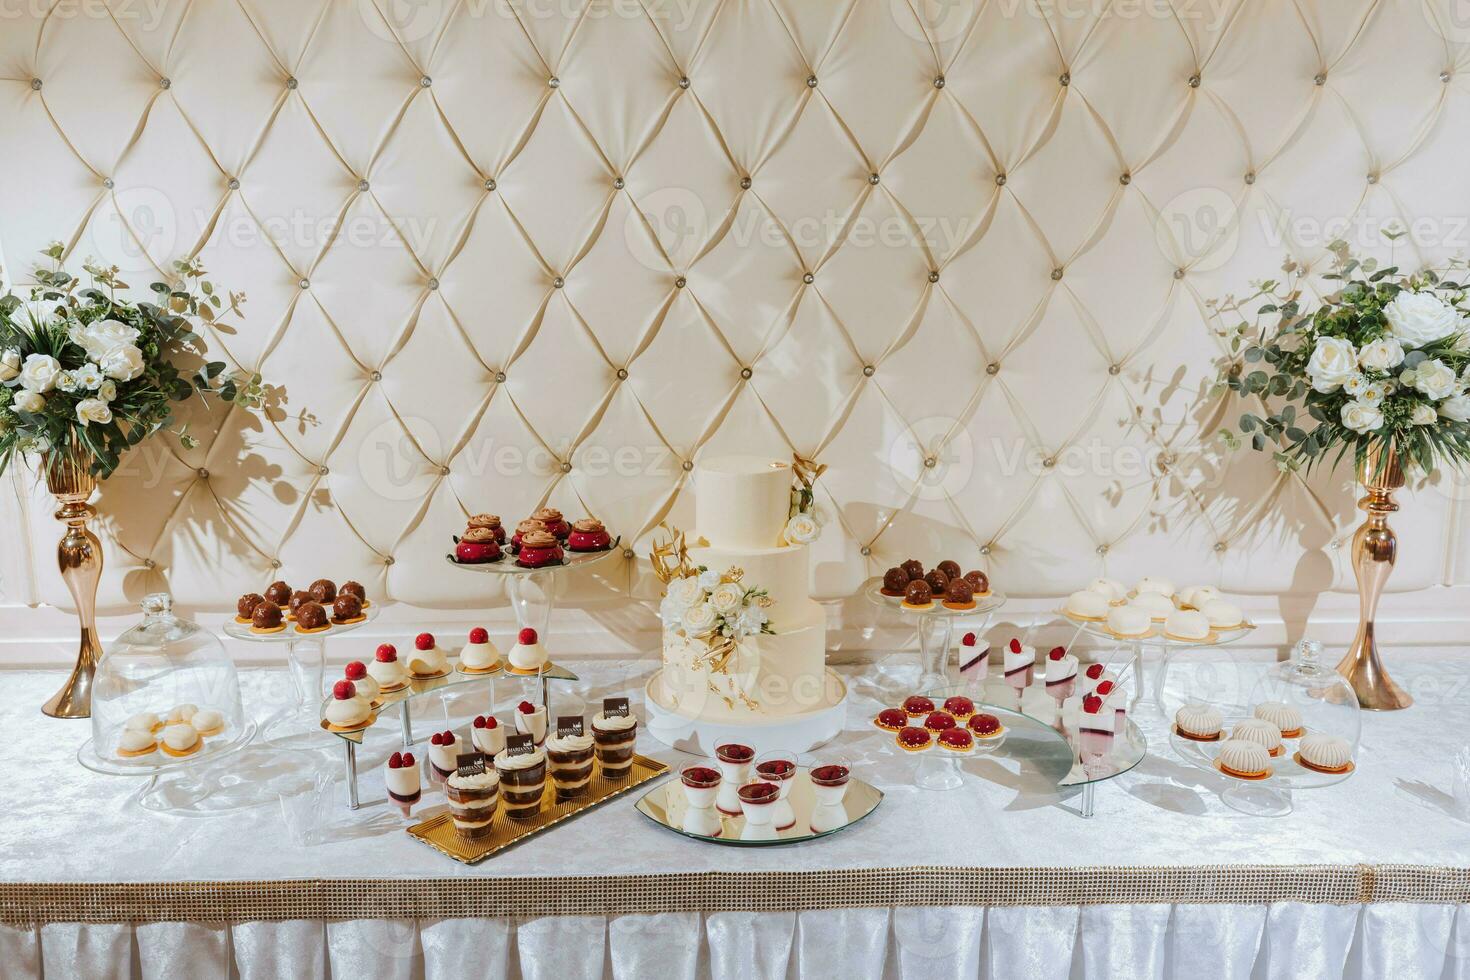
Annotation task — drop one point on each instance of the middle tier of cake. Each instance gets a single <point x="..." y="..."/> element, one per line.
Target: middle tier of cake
<point x="782" y="572"/>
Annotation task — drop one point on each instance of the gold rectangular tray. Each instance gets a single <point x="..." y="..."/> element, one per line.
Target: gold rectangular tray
<point x="439" y="833"/>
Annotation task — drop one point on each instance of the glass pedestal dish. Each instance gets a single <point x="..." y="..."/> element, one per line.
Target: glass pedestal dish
<point x="935" y="628"/>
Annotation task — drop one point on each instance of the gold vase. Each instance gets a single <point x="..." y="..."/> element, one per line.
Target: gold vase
<point x="1375" y="548"/>
<point x="79" y="555"/>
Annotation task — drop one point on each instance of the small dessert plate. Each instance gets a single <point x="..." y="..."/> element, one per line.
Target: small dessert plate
<point x="480" y="671"/>
<point x="545" y="668"/>
<point x="349" y="729"/>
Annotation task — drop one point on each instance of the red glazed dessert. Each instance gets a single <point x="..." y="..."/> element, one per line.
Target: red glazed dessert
<point x="891" y="719"/>
<point x="477" y="547"/>
<point x="522" y="529"/>
<point x="554" y="522"/>
<point x="918" y="705"/>
<point x="538" y="549"/>
<point x="959" y="706"/>
<point x="938" y="721"/>
<point x="985" y="726"/>
<point x="491" y="523"/>
<point x="914" y="740"/>
<point x="956" y="740"/>
<point x="588" y="534"/>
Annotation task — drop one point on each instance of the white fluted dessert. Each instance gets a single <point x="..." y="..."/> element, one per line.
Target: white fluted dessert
<point x="181" y="713"/>
<point x="144" y="721"/>
<point x="1286" y="717"/>
<point x="1263" y="733"/>
<point x="1200" y="722"/>
<point x="1325" y="753"/>
<point x="1151" y="584"/>
<point x="1109" y="588"/>
<point x="207" y="721"/>
<point x="180" y="739"/>
<point x="1197" y="595"/>
<point x="134" y="743"/>
<point x="1238" y="757"/>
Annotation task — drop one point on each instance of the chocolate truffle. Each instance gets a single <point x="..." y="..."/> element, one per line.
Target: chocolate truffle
<point x="245" y="608"/>
<point x="323" y="590"/>
<point x="353" y="588"/>
<point x="311" y="616"/>
<point x="979" y="582"/>
<point x="959" y="594"/>
<point x="279" y="593"/>
<point x="918" y="593"/>
<point x="938" y="581"/>
<point x="951" y="569"/>
<point x="895" y="580"/>
<point x="346" y="606"/>
<point x="914" y="568"/>
<point x="299" y="598"/>
<point x="266" y="616"/>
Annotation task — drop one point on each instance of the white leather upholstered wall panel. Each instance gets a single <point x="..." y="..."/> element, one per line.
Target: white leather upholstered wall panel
<point x="500" y="253"/>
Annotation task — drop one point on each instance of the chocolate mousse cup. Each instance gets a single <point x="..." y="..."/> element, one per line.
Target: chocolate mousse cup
<point x="521" y="786"/>
<point x="614" y="738"/>
<point x="472" y="802"/>
<point x="571" y="769"/>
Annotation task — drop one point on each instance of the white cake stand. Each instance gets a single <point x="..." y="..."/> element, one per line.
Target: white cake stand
<point x="935" y="626"/>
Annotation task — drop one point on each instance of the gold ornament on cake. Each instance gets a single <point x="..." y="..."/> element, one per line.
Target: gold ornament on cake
<point x="802" y="524"/>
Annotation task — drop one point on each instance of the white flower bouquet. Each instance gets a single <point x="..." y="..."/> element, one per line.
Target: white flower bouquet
<point x="715" y="606"/>
<point x="1379" y="368"/>
<point x="82" y="369"/>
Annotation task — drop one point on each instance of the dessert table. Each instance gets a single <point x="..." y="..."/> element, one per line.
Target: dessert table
<point x="266" y="874"/>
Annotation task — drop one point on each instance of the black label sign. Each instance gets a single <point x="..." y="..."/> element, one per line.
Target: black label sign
<point x="615" y="707"/>
<point x="520" y="744"/>
<point x="568" y="725"/>
<point x="470" y="763"/>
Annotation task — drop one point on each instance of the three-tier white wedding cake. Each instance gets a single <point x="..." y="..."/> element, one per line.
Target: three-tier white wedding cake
<point x="773" y="674"/>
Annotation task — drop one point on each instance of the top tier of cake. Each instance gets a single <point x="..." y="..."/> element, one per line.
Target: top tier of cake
<point x="742" y="501"/>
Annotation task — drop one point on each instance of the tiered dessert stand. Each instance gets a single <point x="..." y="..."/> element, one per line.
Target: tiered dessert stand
<point x="1268" y="797"/>
<point x="935" y="626"/>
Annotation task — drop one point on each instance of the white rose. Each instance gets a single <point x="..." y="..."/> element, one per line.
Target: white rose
<point x="9" y="365"/>
<point x="1382" y="354"/>
<point x="66" y="381"/>
<point x="122" y="363"/>
<point x="1333" y="361"/>
<point x="752" y="619"/>
<point x="107" y="391"/>
<point x="91" y="410"/>
<point x="727" y="597"/>
<point x="708" y="579"/>
<point x="103" y="337"/>
<point x="1355" y="385"/>
<point x="1435" y="379"/>
<point x="684" y="592"/>
<point x="1421" y="318"/>
<point x="89" y="376"/>
<point x="802" y="529"/>
<point x="699" y="619"/>
<point x="1361" y="417"/>
<point x="28" y="401"/>
<point x="1457" y="408"/>
<point x="39" y="373"/>
<point x="1424" y="415"/>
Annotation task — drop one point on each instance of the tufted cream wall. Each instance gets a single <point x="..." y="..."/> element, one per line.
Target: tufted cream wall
<point x="501" y="253"/>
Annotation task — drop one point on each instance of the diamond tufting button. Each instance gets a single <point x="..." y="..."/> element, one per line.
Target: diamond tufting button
<point x="993" y="368"/>
<point x="322" y="470"/>
<point x="622" y="374"/>
<point x="108" y="183"/>
<point x="1049" y="462"/>
<point x="432" y="284"/>
<point x="1000" y="180"/>
<point x="1250" y="178"/>
<point x="985" y="549"/>
<point x="149" y="564"/>
<point x="1372" y="178"/>
<point x="933" y="275"/>
<point x="234" y="184"/>
<point x="35" y="85"/>
<point x="1444" y="76"/>
<point x="745" y="183"/>
<point x="939" y="81"/>
<point x="1219" y="546"/>
<point x="619" y="183"/>
<point x="930" y="462"/>
<point x="1102" y="549"/>
<point x="275" y="563"/>
<point x="865" y="551"/>
<point x="165" y="83"/>
<point x="489" y="183"/>
<point x="388" y="560"/>
<point x="303" y="283"/>
<point x="1125" y="178"/>
<point x="746" y="373"/>
<point x="629" y="554"/>
<point x="1319" y="79"/>
<point x="500" y="377"/>
<point x="566" y="466"/>
<point x="687" y="465"/>
<point x="362" y="186"/>
<point x="1115" y="369"/>
<point x="202" y="473"/>
<point x="558" y="282"/>
<point x="554" y="82"/>
<point x="1065" y="78"/>
<point x="873" y="179"/>
<point x="1056" y="274"/>
<point x="425" y="81"/>
<point x="376" y="375"/>
<point x="292" y="83"/>
<point x="869" y="370"/>
<point x="683" y="81"/>
<point x="443" y="471"/>
<point x="1194" y="81"/>
<point x="808" y="278"/>
<point x="811" y="81"/>
<point x="1178" y="273"/>
<point x="680" y="283"/>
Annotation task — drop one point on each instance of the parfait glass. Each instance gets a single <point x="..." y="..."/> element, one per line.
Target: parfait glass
<point x="779" y="768"/>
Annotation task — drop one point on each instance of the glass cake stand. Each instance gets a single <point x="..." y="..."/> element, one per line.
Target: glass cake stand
<point x="306" y="655"/>
<point x="935" y="626"/>
<point x="1267" y="797"/>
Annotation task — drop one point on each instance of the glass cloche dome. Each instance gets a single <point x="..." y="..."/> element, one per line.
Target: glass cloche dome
<point x="1323" y="698"/>
<point x="166" y="693"/>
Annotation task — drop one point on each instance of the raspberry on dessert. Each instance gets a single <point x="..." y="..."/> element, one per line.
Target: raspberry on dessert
<point x="959" y="706"/>
<point x="526" y="708"/>
<point x="956" y="740"/>
<point x="914" y="739"/>
<point x="734" y="752"/>
<point x="1015" y="645"/>
<point x="1092" y="704"/>
<point x="342" y="690"/>
<point x="490" y="722"/>
<point x="891" y="719"/>
<point x="395" y="761"/>
<point x="1105" y="688"/>
<point x="918" y="705"/>
<point x="830" y="775"/>
<point x="701" y="777"/>
<point x="479" y="721"/>
<point x="436" y="739"/>
<point x="1057" y="653"/>
<point x="408" y="760"/>
<point x="776" y="768"/>
<point x="1094" y="671"/>
<point x="356" y="670"/>
<point x="985" y="725"/>
<point x="938" y="721"/>
<point x="387" y="653"/>
<point x="759" y="792"/>
<point x="968" y="639"/>
<point x="424" y="641"/>
<point x="479" y="635"/>
<point x="527" y="637"/>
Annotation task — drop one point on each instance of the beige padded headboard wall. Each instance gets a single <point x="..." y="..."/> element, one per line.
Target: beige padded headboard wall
<point x="505" y="253"/>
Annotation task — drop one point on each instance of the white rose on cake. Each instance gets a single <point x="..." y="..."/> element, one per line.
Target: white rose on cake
<point x="1361" y="417"/>
<point x="699" y="619"/>
<point x="1382" y="354"/>
<point x="708" y="579"/>
<point x="1333" y="361"/>
<point x="1456" y="408"/>
<point x="802" y="529"/>
<point x="91" y="410"/>
<point x="9" y="365"/>
<point x="1424" y="415"/>
<point x="28" y="401"/>
<point x="726" y="598"/>
<point x="39" y="373"/>
<point x="752" y="618"/>
<point x="683" y="593"/>
<point x="1421" y="318"/>
<point x="1435" y="379"/>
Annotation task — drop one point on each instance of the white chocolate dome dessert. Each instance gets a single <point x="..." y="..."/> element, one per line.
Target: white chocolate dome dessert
<point x="1286" y="718"/>
<point x="1263" y="733"/>
<point x="1109" y="588"/>
<point x="480" y="653"/>
<point x="1325" y="753"/>
<point x="1087" y="604"/>
<point x="1186" y="624"/>
<point x="1199" y="722"/>
<point x="1222" y="614"/>
<point x="1238" y="757"/>
<point x="1158" y="586"/>
<point x="1128" y="621"/>
<point x="1156" y="604"/>
<point x="1198" y="595"/>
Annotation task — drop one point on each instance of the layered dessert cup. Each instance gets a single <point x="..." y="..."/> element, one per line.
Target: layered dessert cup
<point x="779" y="769"/>
<point x="522" y="782"/>
<point x="701" y="784"/>
<point x="829" y="787"/>
<point x="472" y="803"/>
<point x="1020" y="665"/>
<point x="531" y="720"/>
<point x="487" y="736"/>
<point x="569" y="758"/>
<point x="734" y="761"/>
<point x="758" y="805"/>
<point x="1061" y="674"/>
<point x="444" y="750"/>
<point x="974" y="659"/>
<point x="613" y="737"/>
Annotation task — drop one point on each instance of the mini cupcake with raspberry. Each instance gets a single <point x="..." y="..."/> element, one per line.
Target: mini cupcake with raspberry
<point x="554" y="522"/>
<point x="588" y="534"/>
<point x="522" y="529"/>
<point x="539" y="549"/>
<point x="491" y="523"/>
<point x="477" y="546"/>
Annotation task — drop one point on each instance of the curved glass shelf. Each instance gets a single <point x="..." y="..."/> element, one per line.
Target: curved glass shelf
<point x="213" y="749"/>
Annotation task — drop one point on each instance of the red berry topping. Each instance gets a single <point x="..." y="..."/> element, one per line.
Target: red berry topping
<point x="1105" y="688"/>
<point x="734" y="752"/>
<point x="526" y="708"/>
<point x="1094" y="671"/>
<point x="892" y="719"/>
<point x="959" y="705"/>
<point x="776" y="768"/>
<point x="1092" y="704"/>
<point x="478" y="635"/>
<point x="983" y="724"/>
<point x="436" y="739"/>
<point x="1057" y="654"/>
<point x="387" y="653"/>
<point x="490" y="722"/>
<point x="446" y="738"/>
<point x="701" y="777"/>
<point x="938" y="721"/>
<point x="956" y="738"/>
<point x="479" y="721"/>
<point x="424" y="641"/>
<point x="829" y="775"/>
<point x="914" y="736"/>
<point x="759" y="792"/>
<point x="342" y="690"/>
<point x="527" y="636"/>
<point x="408" y="760"/>
<point x="356" y="670"/>
<point x="968" y="639"/>
<point x="1015" y="645"/>
<point x="918" y="705"/>
<point x="395" y="761"/>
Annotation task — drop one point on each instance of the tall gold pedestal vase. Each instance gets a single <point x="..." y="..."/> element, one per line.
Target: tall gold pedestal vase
<point x="1375" y="547"/>
<point x="79" y="556"/>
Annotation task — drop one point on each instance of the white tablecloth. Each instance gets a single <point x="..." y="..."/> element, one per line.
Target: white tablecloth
<point x="66" y="825"/>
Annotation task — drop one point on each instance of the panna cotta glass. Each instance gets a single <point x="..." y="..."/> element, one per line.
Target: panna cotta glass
<point x="779" y="768"/>
<point x="734" y="761"/>
<point x="758" y="804"/>
<point x="701" y="783"/>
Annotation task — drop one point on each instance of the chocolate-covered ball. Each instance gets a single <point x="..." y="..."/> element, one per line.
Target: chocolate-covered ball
<point x="895" y="580"/>
<point x="979" y="581"/>
<point x="918" y="593"/>
<point x="299" y="598"/>
<point x="346" y="606"/>
<point x="938" y="581"/>
<point x="959" y="592"/>
<point x="323" y="590"/>
<point x="279" y="593"/>
<point x="311" y="616"/>
<point x="914" y="568"/>
<point x="267" y="615"/>
<point x="245" y="608"/>
<point x="353" y="588"/>
<point x="951" y="569"/>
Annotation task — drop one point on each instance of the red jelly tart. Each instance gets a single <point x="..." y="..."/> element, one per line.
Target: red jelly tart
<point x="539" y="548"/>
<point x="588" y="534"/>
<point x="959" y="706"/>
<point x="915" y="740"/>
<point x="956" y="740"/>
<point x="986" y="726"/>
<point x="918" y="705"/>
<point x="938" y="721"/>
<point x="891" y="719"/>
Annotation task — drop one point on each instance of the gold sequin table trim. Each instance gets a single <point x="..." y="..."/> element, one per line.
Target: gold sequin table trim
<point x="428" y="898"/>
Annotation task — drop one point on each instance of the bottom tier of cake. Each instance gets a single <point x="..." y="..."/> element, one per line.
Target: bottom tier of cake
<point x="798" y="732"/>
